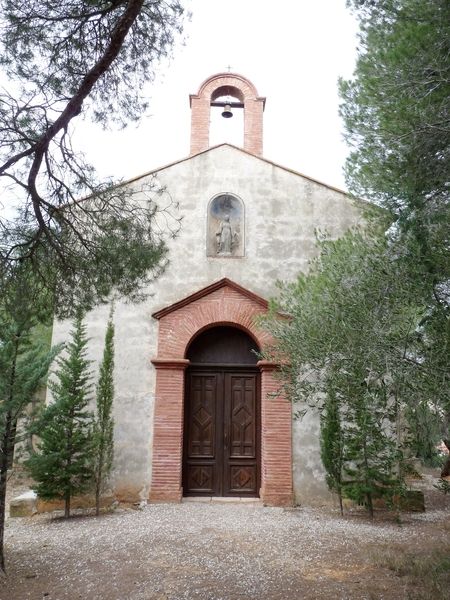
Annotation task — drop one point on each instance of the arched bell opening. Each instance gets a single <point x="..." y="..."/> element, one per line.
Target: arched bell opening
<point x="228" y="91"/>
<point x="227" y="116"/>
<point x="222" y="437"/>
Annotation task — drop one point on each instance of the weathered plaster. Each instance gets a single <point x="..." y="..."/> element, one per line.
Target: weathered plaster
<point x="282" y="212"/>
<point x="308" y="473"/>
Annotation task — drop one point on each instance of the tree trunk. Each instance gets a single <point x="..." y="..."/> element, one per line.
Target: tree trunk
<point x="341" y="506"/>
<point x="99" y="478"/>
<point x="68" y="490"/>
<point x="370" y="504"/>
<point x="67" y="504"/>
<point x="97" y="501"/>
<point x="7" y="445"/>
<point x="366" y="481"/>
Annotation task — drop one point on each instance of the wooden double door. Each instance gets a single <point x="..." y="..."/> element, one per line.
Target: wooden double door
<point x="222" y="432"/>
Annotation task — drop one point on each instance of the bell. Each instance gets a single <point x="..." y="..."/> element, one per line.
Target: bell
<point x="227" y="112"/>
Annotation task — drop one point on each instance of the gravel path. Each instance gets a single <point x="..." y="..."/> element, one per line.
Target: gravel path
<point x="213" y="551"/>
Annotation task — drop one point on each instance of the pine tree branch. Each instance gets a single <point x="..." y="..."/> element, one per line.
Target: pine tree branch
<point x="74" y="105"/>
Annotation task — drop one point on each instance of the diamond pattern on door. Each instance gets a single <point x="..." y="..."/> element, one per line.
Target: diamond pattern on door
<point x="242" y="417"/>
<point x="200" y="478"/>
<point x="202" y="416"/>
<point x="243" y="478"/>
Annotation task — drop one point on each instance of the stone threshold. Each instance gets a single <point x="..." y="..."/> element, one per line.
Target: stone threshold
<point x="223" y="499"/>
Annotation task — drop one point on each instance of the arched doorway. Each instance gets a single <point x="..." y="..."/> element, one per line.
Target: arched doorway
<point x="180" y="325"/>
<point x="222" y="439"/>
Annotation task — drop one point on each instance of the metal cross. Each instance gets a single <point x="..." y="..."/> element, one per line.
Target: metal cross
<point x="229" y="68"/>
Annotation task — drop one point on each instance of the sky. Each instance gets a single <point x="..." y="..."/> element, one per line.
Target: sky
<point x="293" y="51"/>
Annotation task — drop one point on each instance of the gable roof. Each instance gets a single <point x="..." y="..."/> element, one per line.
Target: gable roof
<point x="225" y="282"/>
<point x="265" y="160"/>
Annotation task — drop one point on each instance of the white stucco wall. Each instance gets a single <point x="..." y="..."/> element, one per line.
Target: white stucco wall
<point x="282" y="212"/>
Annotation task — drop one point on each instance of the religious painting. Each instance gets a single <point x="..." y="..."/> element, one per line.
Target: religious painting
<point x="225" y="231"/>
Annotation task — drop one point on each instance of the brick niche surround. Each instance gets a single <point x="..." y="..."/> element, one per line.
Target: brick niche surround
<point x="236" y="86"/>
<point x="222" y="303"/>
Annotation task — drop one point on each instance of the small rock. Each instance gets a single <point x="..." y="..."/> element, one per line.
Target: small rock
<point x="23" y="505"/>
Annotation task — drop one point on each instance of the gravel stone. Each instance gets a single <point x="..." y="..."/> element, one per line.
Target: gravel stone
<point x="208" y="551"/>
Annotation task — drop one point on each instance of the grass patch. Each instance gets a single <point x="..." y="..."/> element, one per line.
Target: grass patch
<point x="427" y="572"/>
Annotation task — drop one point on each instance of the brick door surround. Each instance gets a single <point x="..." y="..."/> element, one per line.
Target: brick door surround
<point x="237" y="86"/>
<point x="222" y="303"/>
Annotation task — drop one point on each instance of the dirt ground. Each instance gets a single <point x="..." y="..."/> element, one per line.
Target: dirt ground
<point x="219" y="551"/>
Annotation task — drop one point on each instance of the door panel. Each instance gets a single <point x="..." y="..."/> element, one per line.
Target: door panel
<point x="200" y="479"/>
<point x="221" y="437"/>
<point x="240" y="415"/>
<point x="240" y="429"/>
<point x="200" y="469"/>
<point x="202" y="416"/>
<point x="242" y="480"/>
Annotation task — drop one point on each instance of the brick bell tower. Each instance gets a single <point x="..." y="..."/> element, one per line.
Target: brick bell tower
<point x="245" y="96"/>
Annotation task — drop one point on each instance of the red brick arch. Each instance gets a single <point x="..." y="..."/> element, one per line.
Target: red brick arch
<point x="239" y="87"/>
<point x="222" y="303"/>
<point x="222" y="306"/>
<point x="222" y="80"/>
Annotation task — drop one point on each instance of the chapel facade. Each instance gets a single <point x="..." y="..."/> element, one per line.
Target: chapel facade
<point x="197" y="412"/>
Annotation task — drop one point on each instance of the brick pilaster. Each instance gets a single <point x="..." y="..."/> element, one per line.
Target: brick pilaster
<point x="168" y="430"/>
<point x="276" y="440"/>
<point x="253" y="126"/>
<point x="200" y="112"/>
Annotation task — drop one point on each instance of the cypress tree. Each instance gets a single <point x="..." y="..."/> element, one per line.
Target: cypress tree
<point x="63" y="467"/>
<point x="331" y="446"/>
<point x="104" y="423"/>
